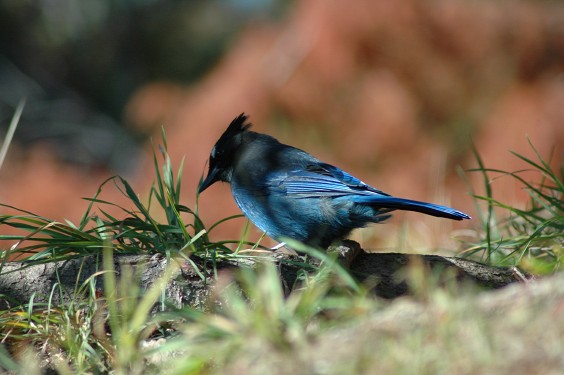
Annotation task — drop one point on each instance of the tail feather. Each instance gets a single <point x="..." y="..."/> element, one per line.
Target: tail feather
<point x="411" y="205"/>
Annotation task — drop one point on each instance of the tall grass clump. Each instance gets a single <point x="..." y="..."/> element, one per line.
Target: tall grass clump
<point x="140" y="232"/>
<point x="532" y="238"/>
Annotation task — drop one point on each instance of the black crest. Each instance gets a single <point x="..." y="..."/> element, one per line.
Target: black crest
<point x="237" y="126"/>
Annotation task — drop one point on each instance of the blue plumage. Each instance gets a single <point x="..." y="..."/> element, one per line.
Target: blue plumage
<point x="286" y="192"/>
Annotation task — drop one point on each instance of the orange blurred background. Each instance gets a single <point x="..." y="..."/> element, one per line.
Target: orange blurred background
<point x="393" y="92"/>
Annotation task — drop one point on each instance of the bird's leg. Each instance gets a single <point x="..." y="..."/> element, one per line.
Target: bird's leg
<point x="281" y="244"/>
<point x="265" y="249"/>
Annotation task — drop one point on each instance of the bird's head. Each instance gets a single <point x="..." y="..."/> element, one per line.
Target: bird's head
<point x="223" y="153"/>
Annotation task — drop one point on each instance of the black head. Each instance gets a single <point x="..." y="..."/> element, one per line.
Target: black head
<point x="223" y="153"/>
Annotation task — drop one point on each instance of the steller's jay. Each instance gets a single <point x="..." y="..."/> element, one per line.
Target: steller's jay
<point x="286" y="192"/>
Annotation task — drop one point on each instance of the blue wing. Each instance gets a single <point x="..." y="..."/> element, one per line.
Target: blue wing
<point x="324" y="180"/>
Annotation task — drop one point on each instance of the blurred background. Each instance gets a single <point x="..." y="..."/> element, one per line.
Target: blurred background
<point x="395" y="92"/>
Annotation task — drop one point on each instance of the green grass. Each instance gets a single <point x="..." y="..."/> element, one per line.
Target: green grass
<point x="11" y="130"/>
<point x="328" y="324"/>
<point x="531" y="238"/>
<point x="183" y="234"/>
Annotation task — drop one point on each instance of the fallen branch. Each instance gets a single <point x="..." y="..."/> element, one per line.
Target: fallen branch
<point x="20" y="281"/>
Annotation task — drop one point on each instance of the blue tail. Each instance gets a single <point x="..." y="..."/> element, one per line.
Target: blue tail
<point x="410" y="205"/>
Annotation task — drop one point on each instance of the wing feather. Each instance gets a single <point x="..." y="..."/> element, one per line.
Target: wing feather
<point x="323" y="180"/>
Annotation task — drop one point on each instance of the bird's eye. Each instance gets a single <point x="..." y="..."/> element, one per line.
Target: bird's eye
<point x="217" y="153"/>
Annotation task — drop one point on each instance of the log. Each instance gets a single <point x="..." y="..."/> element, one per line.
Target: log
<point x="58" y="280"/>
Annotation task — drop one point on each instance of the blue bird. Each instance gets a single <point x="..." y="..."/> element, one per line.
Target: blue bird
<point x="287" y="192"/>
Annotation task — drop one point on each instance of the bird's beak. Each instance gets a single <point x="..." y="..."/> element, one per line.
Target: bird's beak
<point x="208" y="181"/>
